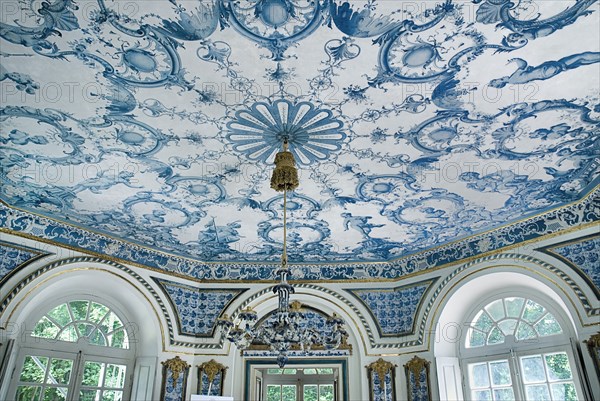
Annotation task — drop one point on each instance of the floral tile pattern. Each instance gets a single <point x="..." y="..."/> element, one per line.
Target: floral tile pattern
<point x="394" y="310"/>
<point x="197" y="309"/>
<point x="584" y="255"/>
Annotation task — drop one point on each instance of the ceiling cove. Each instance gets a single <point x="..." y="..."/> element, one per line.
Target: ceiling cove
<point x="150" y="128"/>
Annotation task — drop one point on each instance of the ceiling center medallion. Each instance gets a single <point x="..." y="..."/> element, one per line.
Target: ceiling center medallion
<point x="312" y="132"/>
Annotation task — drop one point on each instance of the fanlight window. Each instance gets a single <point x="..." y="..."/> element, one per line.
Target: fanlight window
<point x="75" y="320"/>
<point x="512" y="316"/>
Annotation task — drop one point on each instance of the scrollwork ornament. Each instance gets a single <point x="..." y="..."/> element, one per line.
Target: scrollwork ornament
<point x="212" y="368"/>
<point x="593" y="345"/>
<point x="382" y="368"/>
<point x="176" y="366"/>
<point x="416" y="365"/>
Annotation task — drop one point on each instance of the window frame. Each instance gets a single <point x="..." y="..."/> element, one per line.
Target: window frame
<point x="78" y="351"/>
<point x="512" y="350"/>
<point x="300" y="380"/>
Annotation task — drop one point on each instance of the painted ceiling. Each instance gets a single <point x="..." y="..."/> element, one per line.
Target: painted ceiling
<point x="414" y="124"/>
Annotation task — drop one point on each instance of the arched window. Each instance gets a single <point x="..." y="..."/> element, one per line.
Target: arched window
<point x="83" y="319"/>
<point x="78" y="350"/>
<point x="515" y="348"/>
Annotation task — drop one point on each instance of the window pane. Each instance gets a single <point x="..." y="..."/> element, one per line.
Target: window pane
<point x="79" y="309"/>
<point x="514" y="306"/>
<point x="289" y="371"/>
<point x="112" y="395"/>
<point x="495" y="337"/>
<point x="115" y="376"/>
<point x="504" y="394"/>
<point x="538" y="392"/>
<point x="119" y="340"/>
<point x="525" y="331"/>
<point x="61" y="315"/>
<point x="92" y="374"/>
<point x="476" y="338"/>
<point x="548" y="326"/>
<point x="28" y="393"/>
<point x="326" y="392"/>
<point x="89" y="395"/>
<point x="564" y="392"/>
<point x="325" y="371"/>
<point x="55" y="394"/>
<point x="110" y="323"/>
<point x="558" y="366"/>
<point x="483" y="322"/>
<point x="34" y="369"/>
<point x="508" y="326"/>
<point x="500" y="373"/>
<point x="533" y="369"/>
<point x="273" y="392"/>
<point x="97" y="312"/>
<point x="45" y="329"/>
<point x="85" y="329"/>
<point x="60" y="371"/>
<point x="274" y="371"/>
<point x="69" y="334"/>
<point x="310" y="392"/>
<point x="482" y="395"/>
<point x="310" y="371"/>
<point x="97" y="338"/>
<point x="496" y="310"/>
<point x="479" y="375"/>
<point x="533" y="311"/>
<point x="288" y="392"/>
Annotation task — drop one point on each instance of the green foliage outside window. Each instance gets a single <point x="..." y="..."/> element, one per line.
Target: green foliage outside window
<point x="519" y="317"/>
<point x="76" y="319"/>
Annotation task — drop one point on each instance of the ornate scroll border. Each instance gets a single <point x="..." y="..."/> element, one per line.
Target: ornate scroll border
<point x="175" y="373"/>
<point x="381" y="370"/>
<point x="414" y="369"/>
<point x="213" y="373"/>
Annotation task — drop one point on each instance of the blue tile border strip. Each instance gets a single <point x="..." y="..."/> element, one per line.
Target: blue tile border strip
<point x="24" y="223"/>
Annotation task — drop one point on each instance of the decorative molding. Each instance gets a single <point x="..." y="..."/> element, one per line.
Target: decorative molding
<point x="512" y="257"/>
<point x="86" y="259"/>
<point x="582" y="255"/>
<point x="14" y="257"/>
<point x="19" y="222"/>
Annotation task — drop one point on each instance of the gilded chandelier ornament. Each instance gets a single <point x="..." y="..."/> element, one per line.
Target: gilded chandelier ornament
<point x="287" y="330"/>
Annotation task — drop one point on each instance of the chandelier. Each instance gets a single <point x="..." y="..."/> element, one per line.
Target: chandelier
<point x="287" y="329"/>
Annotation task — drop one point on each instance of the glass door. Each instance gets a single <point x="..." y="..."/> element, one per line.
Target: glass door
<point x="45" y="375"/>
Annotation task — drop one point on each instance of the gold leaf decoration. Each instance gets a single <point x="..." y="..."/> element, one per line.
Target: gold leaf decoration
<point x="176" y="366"/>
<point x="212" y="368"/>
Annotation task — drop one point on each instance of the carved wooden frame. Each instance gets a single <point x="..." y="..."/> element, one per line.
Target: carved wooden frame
<point x="382" y="369"/>
<point x="208" y="371"/>
<point x="174" y="369"/>
<point x="413" y="369"/>
<point x="593" y="345"/>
